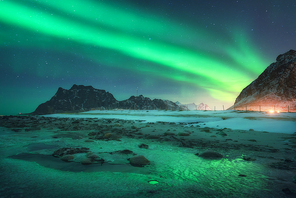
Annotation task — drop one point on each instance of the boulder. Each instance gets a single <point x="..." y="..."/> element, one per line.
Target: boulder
<point x="111" y="136"/>
<point x="69" y="151"/>
<point x="67" y="158"/>
<point x="143" y="146"/>
<point x="86" y="161"/>
<point x="210" y="155"/>
<point x="139" y="161"/>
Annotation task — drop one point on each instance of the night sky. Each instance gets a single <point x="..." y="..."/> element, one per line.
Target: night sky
<point x="181" y="50"/>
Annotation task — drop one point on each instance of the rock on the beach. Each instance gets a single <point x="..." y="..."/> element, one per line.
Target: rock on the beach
<point x="143" y="146"/>
<point x="210" y="155"/>
<point x="67" y="158"/>
<point x="247" y="158"/>
<point x="94" y="158"/>
<point x="86" y="161"/>
<point x="92" y="155"/>
<point x="111" y="136"/>
<point x="69" y="151"/>
<point x="139" y="161"/>
<point x="125" y="151"/>
<point x="183" y="134"/>
<point x="108" y="135"/>
<point x="169" y="133"/>
<point x="284" y="165"/>
<point x="152" y="136"/>
<point x="221" y="133"/>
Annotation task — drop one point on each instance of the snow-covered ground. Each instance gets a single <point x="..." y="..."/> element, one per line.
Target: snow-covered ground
<point x="242" y="120"/>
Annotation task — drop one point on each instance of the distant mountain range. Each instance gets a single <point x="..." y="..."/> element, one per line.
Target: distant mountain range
<point x="84" y="98"/>
<point x="193" y="106"/>
<point x="274" y="89"/>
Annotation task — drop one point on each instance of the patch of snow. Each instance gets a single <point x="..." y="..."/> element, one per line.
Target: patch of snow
<point x="260" y="124"/>
<point x="259" y="121"/>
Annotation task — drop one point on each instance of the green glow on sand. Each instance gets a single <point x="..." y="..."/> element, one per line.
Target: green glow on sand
<point x="123" y="33"/>
<point x="153" y="182"/>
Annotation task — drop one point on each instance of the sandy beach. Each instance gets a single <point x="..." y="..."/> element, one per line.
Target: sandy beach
<point x="254" y="163"/>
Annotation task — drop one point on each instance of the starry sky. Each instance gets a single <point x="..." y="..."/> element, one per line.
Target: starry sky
<point x="181" y="50"/>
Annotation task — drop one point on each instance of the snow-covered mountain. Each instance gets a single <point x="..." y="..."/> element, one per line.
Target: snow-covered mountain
<point x="193" y="106"/>
<point x="275" y="88"/>
<point x="178" y="103"/>
<point x="203" y="106"/>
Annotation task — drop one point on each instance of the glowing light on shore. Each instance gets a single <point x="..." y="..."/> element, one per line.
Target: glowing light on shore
<point x="273" y="111"/>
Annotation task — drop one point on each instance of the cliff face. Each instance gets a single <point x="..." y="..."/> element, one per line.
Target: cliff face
<point x="84" y="98"/>
<point x="274" y="88"/>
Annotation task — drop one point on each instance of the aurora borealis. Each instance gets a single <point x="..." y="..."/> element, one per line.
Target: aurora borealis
<point x="187" y="51"/>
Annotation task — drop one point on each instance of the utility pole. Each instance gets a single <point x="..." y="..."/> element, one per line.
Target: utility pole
<point x="137" y="100"/>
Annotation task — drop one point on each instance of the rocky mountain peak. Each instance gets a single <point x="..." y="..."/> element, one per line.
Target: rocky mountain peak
<point x="81" y="87"/>
<point x="275" y="88"/>
<point x="287" y="57"/>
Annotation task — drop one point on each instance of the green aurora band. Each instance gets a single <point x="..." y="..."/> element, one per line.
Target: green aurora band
<point x="121" y="32"/>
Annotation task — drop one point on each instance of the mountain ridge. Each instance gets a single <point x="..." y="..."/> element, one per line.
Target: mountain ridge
<point x="275" y="87"/>
<point x="81" y="98"/>
<point x="193" y="106"/>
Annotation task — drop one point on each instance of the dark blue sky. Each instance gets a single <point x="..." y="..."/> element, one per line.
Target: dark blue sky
<point x="187" y="51"/>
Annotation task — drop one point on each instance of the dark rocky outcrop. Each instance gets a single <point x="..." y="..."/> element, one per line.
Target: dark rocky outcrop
<point x="210" y="155"/>
<point x="274" y="88"/>
<point x="69" y="151"/>
<point x="84" y="98"/>
<point x="78" y="98"/>
<point x="139" y="161"/>
<point x="141" y="102"/>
